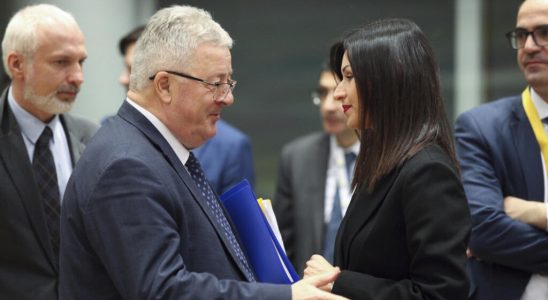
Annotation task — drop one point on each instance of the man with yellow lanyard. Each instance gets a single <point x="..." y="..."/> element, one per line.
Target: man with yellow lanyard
<point x="502" y="147"/>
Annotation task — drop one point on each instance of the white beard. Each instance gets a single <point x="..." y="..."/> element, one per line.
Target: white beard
<point x="48" y="103"/>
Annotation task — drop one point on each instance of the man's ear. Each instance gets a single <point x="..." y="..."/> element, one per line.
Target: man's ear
<point x="162" y="87"/>
<point x="16" y="65"/>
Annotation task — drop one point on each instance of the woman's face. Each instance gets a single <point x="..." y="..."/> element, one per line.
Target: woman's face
<point x="347" y="94"/>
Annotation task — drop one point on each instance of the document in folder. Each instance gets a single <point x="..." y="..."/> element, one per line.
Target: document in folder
<point x="263" y="249"/>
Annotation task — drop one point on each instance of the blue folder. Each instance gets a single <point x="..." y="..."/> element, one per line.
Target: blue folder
<point x="267" y="257"/>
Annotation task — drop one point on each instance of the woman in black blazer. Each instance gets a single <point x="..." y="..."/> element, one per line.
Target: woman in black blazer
<point x="405" y="233"/>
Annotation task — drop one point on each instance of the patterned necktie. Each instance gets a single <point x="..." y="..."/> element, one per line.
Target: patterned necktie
<point x="336" y="213"/>
<point x="46" y="178"/>
<point x="215" y="208"/>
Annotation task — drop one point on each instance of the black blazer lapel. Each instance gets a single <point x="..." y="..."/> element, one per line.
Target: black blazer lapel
<point x="361" y="209"/>
<point x="130" y="114"/>
<point x="13" y="155"/>
<point x="528" y="152"/>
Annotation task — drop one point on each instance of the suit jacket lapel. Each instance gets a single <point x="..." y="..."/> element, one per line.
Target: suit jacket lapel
<point x="318" y="174"/>
<point x="13" y="155"/>
<point x="528" y="152"/>
<point x="134" y="117"/>
<point x="361" y="209"/>
<point x="76" y="146"/>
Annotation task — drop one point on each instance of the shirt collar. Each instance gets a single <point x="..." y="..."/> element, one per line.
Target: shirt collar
<point x="540" y="105"/>
<point x="181" y="152"/>
<point x="31" y="127"/>
<point x="355" y="148"/>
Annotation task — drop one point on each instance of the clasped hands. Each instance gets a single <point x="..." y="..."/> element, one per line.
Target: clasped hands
<point x="318" y="265"/>
<point x="318" y="281"/>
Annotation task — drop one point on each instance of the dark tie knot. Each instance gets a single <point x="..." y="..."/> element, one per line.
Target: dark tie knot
<point x="191" y="161"/>
<point x="193" y="165"/>
<point x="350" y="157"/>
<point x="45" y="137"/>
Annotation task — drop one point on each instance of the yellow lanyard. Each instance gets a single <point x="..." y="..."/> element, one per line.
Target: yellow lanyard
<point x="534" y="120"/>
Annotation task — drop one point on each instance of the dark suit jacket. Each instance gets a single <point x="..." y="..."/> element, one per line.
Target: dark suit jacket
<point x="134" y="225"/>
<point x="407" y="239"/>
<point x="226" y="158"/>
<point x="300" y="195"/>
<point x="500" y="157"/>
<point x="27" y="270"/>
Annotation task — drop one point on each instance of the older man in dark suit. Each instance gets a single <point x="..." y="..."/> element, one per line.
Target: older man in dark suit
<point x="43" y="51"/>
<point x="140" y="221"/>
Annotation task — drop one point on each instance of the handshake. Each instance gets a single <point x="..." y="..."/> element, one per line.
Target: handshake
<point x="317" y="283"/>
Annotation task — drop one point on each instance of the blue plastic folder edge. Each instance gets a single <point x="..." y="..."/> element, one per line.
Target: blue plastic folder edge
<point x="265" y="254"/>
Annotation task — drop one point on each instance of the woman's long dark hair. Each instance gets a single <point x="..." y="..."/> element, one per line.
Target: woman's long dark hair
<point x="397" y="82"/>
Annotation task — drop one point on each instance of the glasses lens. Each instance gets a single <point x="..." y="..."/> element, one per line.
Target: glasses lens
<point x="315" y="98"/>
<point x="513" y="40"/>
<point x="521" y="38"/>
<point x="221" y="91"/>
<point x="541" y="35"/>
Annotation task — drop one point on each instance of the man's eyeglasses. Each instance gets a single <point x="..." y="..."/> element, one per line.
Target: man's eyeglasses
<point x="220" y="89"/>
<point x="518" y="37"/>
<point x="319" y="95"/>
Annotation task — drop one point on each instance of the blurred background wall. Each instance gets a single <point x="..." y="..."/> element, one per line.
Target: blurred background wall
<point x="280" y="46"/>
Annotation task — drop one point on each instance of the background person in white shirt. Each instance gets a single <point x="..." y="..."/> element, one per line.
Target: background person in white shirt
<point x="311" y="175"/>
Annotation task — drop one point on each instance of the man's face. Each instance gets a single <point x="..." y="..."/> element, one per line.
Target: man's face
<point x="532" y="59"/>
<point x="333" y="118"/>
<point x="128" y="61"/>
<point x="53" y="75"/>
<point x="193" y="113"/>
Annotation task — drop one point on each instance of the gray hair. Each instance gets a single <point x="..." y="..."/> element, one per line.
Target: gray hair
<point x="21" y="31"/>
<point x="170" y="40"/>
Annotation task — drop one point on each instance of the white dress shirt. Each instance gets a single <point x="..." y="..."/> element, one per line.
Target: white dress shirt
<point x="180" y="150"/>
<point x="337" y="178"/>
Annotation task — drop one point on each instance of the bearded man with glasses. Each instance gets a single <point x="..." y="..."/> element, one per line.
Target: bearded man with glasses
<point x="503" y="151"/>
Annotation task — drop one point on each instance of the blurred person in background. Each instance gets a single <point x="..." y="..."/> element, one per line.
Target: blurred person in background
<point x="502" y="149"/>
<point x="314" y="176"/>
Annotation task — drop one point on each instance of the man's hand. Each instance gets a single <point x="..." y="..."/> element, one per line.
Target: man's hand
<point x="529" y="212"/>
<point x="308" y="288"/>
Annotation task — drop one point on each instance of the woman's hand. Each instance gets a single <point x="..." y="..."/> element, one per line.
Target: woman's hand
<point x="316" y="265"/>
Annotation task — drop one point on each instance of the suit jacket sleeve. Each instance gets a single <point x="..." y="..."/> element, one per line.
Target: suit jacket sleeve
<point x="131" y="222"/>
<point x="435" y="224"/>
<point x="496" y="237"/>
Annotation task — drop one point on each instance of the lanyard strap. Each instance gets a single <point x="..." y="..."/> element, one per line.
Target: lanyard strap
<point x="536" y="124"/>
